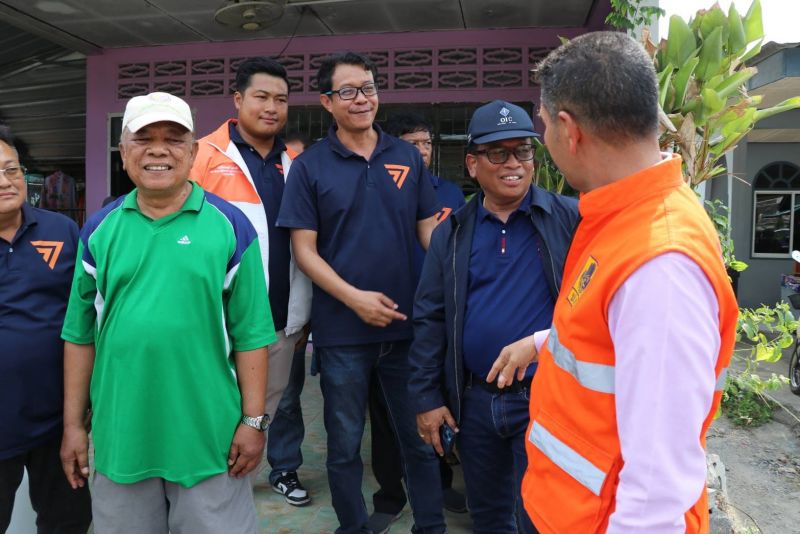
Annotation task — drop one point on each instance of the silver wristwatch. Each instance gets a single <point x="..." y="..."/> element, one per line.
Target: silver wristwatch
<point x="260" y="423"/>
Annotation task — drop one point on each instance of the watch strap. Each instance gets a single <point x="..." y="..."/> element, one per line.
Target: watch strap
<point x="260" y="423"/>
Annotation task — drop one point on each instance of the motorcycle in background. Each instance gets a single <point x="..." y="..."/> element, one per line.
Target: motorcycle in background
<point x="794" y="361"/>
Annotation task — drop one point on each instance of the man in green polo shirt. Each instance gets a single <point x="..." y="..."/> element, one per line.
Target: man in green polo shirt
<point x="166" y="334"/>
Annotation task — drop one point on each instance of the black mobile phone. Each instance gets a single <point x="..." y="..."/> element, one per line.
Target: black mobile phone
<point x="448" y="438"/>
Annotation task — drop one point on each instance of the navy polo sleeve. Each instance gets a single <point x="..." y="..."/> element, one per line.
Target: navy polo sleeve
<point x="428" y="205"/>
<point x="299" y="203"/>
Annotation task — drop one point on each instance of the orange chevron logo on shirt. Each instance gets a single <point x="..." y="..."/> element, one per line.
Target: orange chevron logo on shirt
<point x="398" y="173"/>
<point x="50" y="250"/>
<point x="443" y="214"/>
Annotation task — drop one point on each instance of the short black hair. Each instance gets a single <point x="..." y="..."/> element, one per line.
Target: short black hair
<point x="606" y="81"/>
<point x="406" y="123"/>
<point x="300" y="137"/>
<point x="7" y="137"/>
<point x="329" y="64"/>
<point x="258" y="65"/>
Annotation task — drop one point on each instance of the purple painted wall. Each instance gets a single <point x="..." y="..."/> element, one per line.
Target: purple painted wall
<point x="430" y="67"/>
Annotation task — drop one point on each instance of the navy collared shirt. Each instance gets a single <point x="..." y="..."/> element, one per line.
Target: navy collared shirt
<point x="35" y="278"/>
<point x="451" y="198"/>
<point x="267" y="174"/>
<point x="365" y="214"/>
<point x="507" y="297"/>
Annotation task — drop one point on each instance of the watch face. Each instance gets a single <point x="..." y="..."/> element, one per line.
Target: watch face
<point x="264" y="422"/>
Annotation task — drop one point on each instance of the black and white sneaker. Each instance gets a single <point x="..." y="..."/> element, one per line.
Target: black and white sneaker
<point x="290" y="487"/>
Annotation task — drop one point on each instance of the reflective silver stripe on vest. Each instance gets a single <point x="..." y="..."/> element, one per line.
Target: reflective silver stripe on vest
<point x="567" y="459"/>
<point x="594" y="376"/>
<point x="721" y="380"/>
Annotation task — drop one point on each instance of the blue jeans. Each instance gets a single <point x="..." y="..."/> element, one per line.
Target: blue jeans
<point x="491" y="443"/>
<point x="287" y="431"/>
<point x="345" y="377"/>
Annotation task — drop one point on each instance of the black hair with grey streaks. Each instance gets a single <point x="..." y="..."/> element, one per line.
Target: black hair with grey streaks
<point x="606" y="81"/>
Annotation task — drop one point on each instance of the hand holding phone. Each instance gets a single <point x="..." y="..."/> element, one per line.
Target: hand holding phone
<point x="448" y="438"/>
<point x="431" y="428"/>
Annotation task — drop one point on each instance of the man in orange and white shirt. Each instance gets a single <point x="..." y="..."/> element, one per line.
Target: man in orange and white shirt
<point x="246" y="163"/>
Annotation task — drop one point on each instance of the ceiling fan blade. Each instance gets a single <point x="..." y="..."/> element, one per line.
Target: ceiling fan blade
<point x="315" y="2"/>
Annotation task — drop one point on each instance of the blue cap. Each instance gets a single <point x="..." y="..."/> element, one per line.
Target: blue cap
<point x="499" y="120"/>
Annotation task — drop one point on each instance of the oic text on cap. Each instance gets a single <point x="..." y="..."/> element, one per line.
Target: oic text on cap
<point x="499" y="120"/>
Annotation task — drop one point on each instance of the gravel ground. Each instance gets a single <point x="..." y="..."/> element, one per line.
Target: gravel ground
<point x="763" y="464"/>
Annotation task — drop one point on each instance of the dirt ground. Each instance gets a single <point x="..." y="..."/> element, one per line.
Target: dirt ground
<point x="763" y="466"/>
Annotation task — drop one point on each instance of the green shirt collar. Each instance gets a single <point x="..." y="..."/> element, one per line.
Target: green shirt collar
<point x="192" y="203"/>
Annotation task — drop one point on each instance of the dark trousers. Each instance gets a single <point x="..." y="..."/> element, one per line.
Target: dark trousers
<point x="59" y="509"/>
<point x="491" y="441"/>
<point x="287" y="431"/>
<point x="391" y="496"/>
<point x="345" y="374"/>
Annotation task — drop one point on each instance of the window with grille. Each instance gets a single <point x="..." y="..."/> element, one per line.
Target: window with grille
<point x="776" y="221"/>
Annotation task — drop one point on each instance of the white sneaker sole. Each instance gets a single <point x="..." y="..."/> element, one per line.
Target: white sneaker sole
<point x="293" y="502"/>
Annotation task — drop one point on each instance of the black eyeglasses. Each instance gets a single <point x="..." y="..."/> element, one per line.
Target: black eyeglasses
<point x="349" y="93"/>
<point x="14" y="173"/>
<point x="500" y="155"/>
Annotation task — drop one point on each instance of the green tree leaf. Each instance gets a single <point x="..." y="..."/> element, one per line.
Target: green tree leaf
<point x="713" y="19"/>
<point x="738" y="266"/>
<point x="664" y="78"/>
<point x="681" y="81"/>
<point x="710" y="55"/>
<point x="786" y="105"/>
<point x="681" y="43"/>
<point x="731" y="84"/>
<point x="736" y="36"/>
<point x="752" y="52"/>
<point x="753" y="27"/>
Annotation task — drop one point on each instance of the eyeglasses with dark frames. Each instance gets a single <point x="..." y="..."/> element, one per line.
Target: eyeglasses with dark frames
<point x="500" y="155"/>
<point x="17" y="172"/>
<point x="349" y="93"/>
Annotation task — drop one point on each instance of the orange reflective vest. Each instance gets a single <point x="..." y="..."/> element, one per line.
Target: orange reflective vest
<point x="573" y="445"/>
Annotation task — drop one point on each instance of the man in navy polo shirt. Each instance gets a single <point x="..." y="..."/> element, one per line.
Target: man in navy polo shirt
<point x="37" y="258"/>
<point x="390" y="498"/>
<point x="356" y="203"/>
<point x="490" y="278"/>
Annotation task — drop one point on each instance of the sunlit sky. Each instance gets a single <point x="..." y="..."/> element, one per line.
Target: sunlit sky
<point x="781" y="17"/>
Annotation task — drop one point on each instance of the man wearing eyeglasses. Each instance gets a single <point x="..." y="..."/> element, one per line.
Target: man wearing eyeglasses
<point x="37" y="258"/>
<point x="355" y="203"/>
<point x="490" y="278"/>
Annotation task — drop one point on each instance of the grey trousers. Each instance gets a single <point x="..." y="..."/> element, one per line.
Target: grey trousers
<point x="281" y="355"/>
<point x="154" y="506"/>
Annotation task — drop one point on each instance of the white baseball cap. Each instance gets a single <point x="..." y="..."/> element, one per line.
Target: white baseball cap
<point x="156" y="107"/>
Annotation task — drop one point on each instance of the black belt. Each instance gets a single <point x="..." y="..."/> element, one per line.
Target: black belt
<point x="515" y="387"/>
